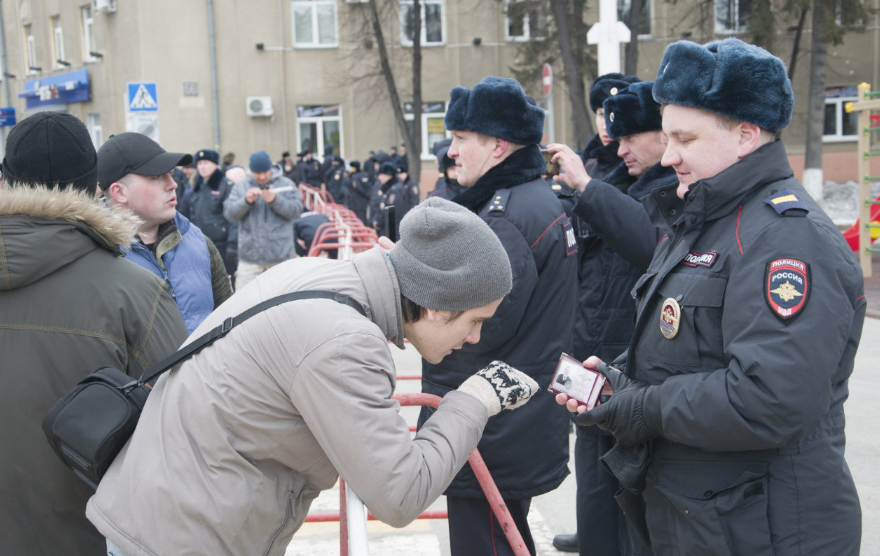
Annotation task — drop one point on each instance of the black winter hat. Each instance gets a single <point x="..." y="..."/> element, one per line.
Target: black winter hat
<point x="443" y="160"/>
<point x="632" y="110"/>
<point x="608" y="85"/>
<point x="52" y="148"/>
<point x="439" y="146"/>
<point x="207" y="154"/>
<point x="732" y="78"/>
<point x="355" y="164"/>
<point x="497" y="107"/>
<point x="388" y="169"/>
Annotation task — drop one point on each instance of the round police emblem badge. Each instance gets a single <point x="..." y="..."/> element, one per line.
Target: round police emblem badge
<point x="670" y="318"/>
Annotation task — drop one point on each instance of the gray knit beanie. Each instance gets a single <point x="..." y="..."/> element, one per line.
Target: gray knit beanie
<point x="448" y="259"/>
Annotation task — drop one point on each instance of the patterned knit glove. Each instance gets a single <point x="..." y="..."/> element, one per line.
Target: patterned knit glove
<point x="499" y="386"/>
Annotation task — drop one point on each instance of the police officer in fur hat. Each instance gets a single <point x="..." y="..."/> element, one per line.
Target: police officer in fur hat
<point x="496" y="130"/>
<point x="447" y="186"/>
<point x="203" y="203"/>
<point x="385" y="193"/>
<point x="360" y="186"/>
<point x="600" y="153"/>
<point x="604" y="324"/>
<point x="728" y="408"/>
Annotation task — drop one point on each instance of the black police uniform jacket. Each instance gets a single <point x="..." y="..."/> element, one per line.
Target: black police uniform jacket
<point x="203" y="205"/>
<point x="447" y="189"/>
<point x="752" y="384"/>
<point x="600" y="160"/>
<point x="525" y="450"/>
<point x="310" y="172"/>
<point x="357" y="196"/>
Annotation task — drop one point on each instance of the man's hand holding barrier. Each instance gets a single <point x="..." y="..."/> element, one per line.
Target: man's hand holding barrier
<point x="499" y="386"/>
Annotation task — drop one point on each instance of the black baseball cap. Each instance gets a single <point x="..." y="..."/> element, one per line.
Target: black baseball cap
<point x="135" y="153"/>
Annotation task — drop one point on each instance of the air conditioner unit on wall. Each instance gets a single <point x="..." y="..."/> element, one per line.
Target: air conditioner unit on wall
<point x="259" y="106"/>
<point x="106" y="6"/>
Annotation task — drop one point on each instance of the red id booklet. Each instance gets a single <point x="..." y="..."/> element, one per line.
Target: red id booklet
<point x="575" y="381"/>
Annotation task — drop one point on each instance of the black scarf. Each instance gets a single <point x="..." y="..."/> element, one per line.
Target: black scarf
<point x="619" y="177"/>
<point x="213" y="181"/>
<point x="603" y="153"/>
<point x="522" y="166"/>
<point x="654" y="177"/>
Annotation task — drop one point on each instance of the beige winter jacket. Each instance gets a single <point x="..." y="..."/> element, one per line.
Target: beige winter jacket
<point x="235" y="444"/>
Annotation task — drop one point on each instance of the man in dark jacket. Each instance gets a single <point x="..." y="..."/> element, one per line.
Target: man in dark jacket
<point x="70" y="305"/>
<point x="600" y="158"/>
<point x="600" y="154"/>
<point x="310" y="169"/>
<point x="357" y="197"/>
<point x="604" y="323"/>
<point x="203" y="203"/>
<point x="133" y="172"/>
<point x="336" y="179"/>
<point x="385" y="191"/>
<point x="447" y="186"/>
<point x="496" y="130"/>
<point x="747" y="326"/>
<point x="409" y="193"/>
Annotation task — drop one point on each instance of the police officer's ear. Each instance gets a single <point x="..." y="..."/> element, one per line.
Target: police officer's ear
<point x="502" y="147"/>
<point x="751" y="138"/>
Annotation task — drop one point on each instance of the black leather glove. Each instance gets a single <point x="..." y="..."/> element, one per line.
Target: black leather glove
<point x="633" y="412"/>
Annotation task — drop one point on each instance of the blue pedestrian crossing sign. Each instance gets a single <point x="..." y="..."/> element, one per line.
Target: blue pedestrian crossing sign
<point x="142" y="97"/>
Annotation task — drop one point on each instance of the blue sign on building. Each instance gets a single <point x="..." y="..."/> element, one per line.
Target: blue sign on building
<point x="142" y="97"/>
<point x="7" y="117"/>
<point x="62" y="88"/>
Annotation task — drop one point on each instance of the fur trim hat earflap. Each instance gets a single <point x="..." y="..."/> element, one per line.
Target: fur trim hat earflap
<point x="609" y="85"/>
<point x="498" y="107"/>
<point x="632" y="110"/>
<point x="738" y="80"/>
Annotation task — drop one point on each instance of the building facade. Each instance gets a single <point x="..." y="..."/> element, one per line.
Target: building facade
<point x="284" y="75"/>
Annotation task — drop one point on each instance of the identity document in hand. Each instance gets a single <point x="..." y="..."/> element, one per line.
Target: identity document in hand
<point x="575" y="381"/>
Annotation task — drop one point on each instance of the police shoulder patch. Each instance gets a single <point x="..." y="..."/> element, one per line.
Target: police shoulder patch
<point x="787" y="287"/>
<point x="786" y="200"/>
<point x="498" y="204"/>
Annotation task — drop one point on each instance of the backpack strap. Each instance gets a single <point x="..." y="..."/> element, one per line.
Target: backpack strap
<point x="231" y="322"/>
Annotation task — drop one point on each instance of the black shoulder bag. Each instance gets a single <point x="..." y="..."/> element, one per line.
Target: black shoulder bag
<point x="89" y="426"/>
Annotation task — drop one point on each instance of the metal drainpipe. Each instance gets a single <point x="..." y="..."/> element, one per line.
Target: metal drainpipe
<point x="4" y="72"/>
<point x="212" y="45"/>
<point x="282" y="41"/>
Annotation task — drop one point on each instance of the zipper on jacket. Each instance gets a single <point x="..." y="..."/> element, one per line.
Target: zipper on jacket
<point x="288" y="515"/>
<point x="152" y="258"/>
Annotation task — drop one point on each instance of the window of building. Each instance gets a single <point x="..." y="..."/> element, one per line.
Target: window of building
<point x="93" y="123"/>
<point x="526" y="19"/>
<point x="840" y="126"/>
<point x="732" y="16"/>
<point x="318" y="126"/>
<point x="644" y="30"/>
<point x="314" y="23"/>
<point x="433" y="128"/>
<point x="88" y="34"/>
<point x="30" y="51"/>
<point x="432" y="22"/>
<point x="57" y="42"/>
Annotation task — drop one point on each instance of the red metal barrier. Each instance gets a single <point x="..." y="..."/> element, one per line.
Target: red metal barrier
<point x="481" y="472"/>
